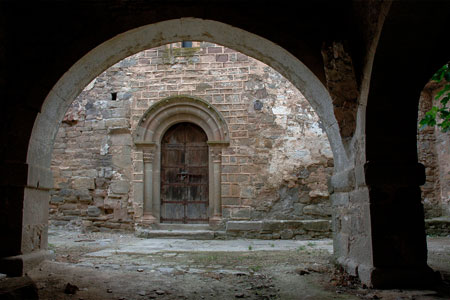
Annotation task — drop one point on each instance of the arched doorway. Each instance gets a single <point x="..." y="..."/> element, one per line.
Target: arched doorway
<point x="156" y="127"/>
<point x="184" y="175"/>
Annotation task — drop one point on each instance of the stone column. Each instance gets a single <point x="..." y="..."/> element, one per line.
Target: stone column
<point x="145" y="190"/>
<point x="216" y="159"/>
<point x="215" y="193"/>
<point x="397" y="225"/>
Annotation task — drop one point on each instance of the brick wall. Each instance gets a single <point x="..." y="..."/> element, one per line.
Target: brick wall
<point x="434" y="152"/>
<point x="276" y="166"/>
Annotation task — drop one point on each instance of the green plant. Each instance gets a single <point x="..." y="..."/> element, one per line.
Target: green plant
<point x="443" y="96"/>
<point x="311" y="244"/>
<point x="255" y="268"/>
<point x="301" y="248"/>
<point x="272" y="245"/>
<point x="250" y="247"/>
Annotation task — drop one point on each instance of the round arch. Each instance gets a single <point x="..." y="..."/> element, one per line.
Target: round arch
<point x="153" y="35"/>
<point x="147" y="138"/>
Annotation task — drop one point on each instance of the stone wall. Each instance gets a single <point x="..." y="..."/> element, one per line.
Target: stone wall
<point x="434" y="152"/>
<point x="276" y="167"/>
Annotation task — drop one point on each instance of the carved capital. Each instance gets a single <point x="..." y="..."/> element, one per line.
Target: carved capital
<point x="148" y="150"/>
<point x="216" y="153"/>
<point x="148" y="156"/>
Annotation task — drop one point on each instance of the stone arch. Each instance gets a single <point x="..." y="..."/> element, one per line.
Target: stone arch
<point x="153" y="35"/>
<point x="147" y="138"/>
<point x="64" y="92"/>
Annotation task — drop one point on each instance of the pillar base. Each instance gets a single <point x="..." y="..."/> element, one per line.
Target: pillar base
<point x="149" y="219"/>
<point x="405" y="277"/>
<point x="215" y="222"/>
<point x="19" y="265"/>
<point x="385" y="278"/>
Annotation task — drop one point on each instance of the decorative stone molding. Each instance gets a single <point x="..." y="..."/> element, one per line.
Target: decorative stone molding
<point x="147" y="138"/>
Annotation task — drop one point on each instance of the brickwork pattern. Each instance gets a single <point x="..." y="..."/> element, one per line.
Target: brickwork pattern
<point x="276" y="166"/>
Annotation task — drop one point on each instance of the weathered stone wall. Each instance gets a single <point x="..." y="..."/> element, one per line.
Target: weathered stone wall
<point x="434" y="152"/>
<point x="276" y="167"/>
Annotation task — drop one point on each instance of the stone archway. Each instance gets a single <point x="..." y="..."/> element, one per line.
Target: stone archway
<point x="64" y="92"/>
<point x="147" y="139"/>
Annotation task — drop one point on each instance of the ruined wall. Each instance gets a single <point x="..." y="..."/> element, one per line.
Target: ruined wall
<point x="276" y="166"/>
<point x="434" y="152"/>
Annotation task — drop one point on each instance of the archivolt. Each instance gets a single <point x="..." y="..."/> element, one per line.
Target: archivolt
<point x="169" y="111"/>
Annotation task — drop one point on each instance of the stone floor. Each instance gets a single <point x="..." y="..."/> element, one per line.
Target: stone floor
<point x="121" y="266"/>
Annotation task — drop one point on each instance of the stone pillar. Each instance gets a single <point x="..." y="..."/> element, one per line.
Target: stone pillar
<point x="149" y="155"/>
<point x="215" y="177"/>
<point x="397" y="225"/>
<point x="26" y="198"/>
<point x="144" y="188"/>
<point x="379" y="231"/>
<point x="216" y="159"/>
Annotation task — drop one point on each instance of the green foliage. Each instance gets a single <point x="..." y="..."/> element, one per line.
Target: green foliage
<point x="443" y="96"/>
<point x="255" y="268"/>
<point x="301" y="248"/>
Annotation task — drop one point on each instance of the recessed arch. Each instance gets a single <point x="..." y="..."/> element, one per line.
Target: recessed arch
<point x="166" y="112"/>
<point x="147" y="137"/>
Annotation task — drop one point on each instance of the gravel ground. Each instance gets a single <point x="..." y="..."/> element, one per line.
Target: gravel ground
<point x="120" y="266"/>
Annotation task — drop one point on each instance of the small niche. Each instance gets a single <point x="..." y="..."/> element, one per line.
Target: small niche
<point x="114" y="96"/>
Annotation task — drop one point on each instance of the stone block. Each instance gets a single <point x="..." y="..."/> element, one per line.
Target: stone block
<point x="66" y="206"/>
<point x="116" y="122"/>
<point x="120" y="213"/>
<point x="244" y="225"/>
<point x="56" y="199"/>
<point x="314" y="210"/>
<point x="318" y="193"/>
<point x="93" y="211"/>
<point x="230" y="201"/>
<point x="120" y="187"/>
<point x="248" y="192"/>
<point x="222" y="58"/>
<point x="240" y="213"/>
<point x="272" y="226"/>
<point x="71" y="212"/>
<point x="339" y="199"/>
<point x="83" y="195"/>
<point x="286" y="234"/>
<point x="343" y="181"/>
<point x="83" y="183"/>
<point x="317" y="225"/>
<point x="121" y="140"/>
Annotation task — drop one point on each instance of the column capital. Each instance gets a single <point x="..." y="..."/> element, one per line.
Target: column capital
<point x="218" y="144"/>
<point x="216" y="153"/>
<point x="148" y="156"/>
<point x="145" y="145"/>
<point x="148" y="150"/>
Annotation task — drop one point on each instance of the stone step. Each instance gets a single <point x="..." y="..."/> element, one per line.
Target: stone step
<point x="438" y="226"/>
<point x="165" y="226"/>
<point x="176" y="234"/>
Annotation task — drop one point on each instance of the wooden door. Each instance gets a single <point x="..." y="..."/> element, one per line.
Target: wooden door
<point x="184" y="175"/>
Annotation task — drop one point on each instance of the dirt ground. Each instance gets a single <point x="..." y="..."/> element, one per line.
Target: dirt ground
<point x="120" y="266"/>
